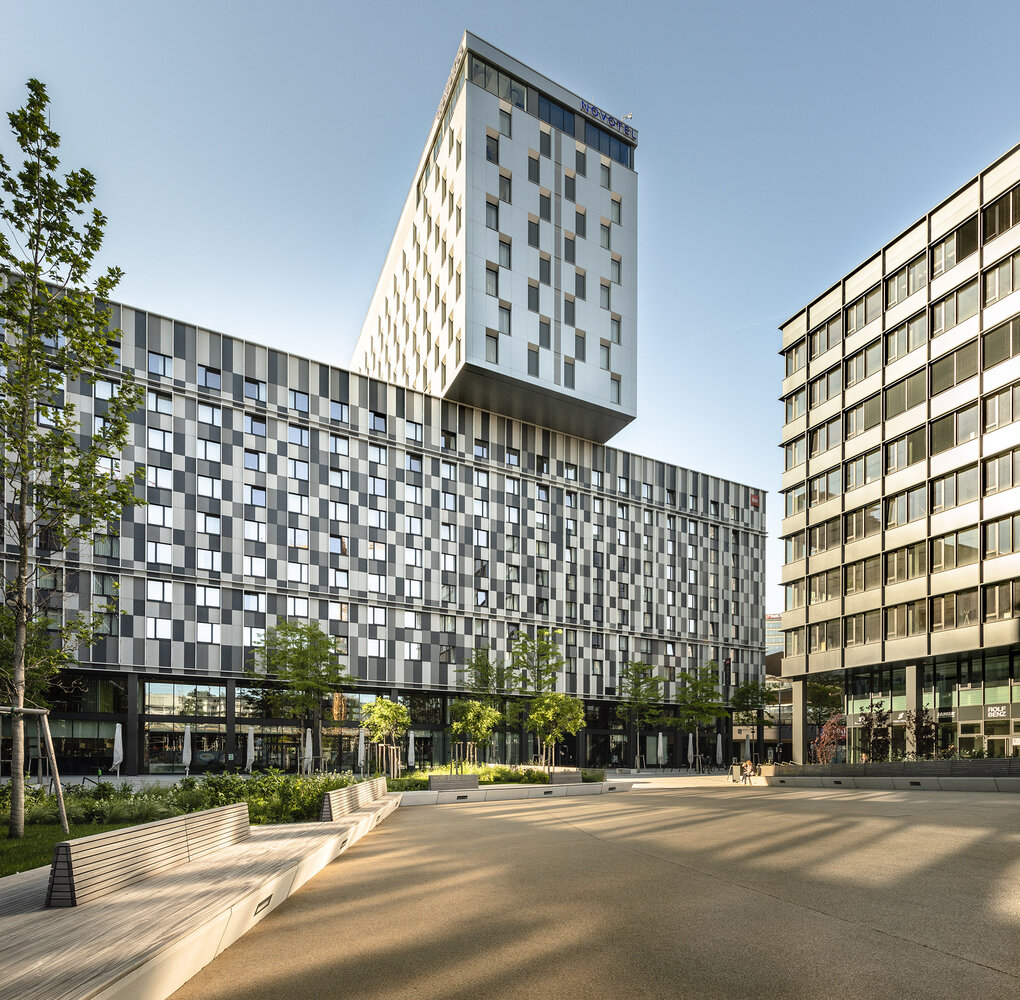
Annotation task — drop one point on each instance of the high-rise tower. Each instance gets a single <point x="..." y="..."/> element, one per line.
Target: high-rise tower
<point x="511" y="280"/>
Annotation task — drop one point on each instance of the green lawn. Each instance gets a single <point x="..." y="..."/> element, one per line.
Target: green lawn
<point x="35" y="849"/>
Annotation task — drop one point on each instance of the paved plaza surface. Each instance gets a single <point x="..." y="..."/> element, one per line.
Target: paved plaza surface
<point x="684" y="887"/>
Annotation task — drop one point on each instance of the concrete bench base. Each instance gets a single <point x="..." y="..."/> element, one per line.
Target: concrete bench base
<point x="896" y="784"/>
<point x="503" y="793"/>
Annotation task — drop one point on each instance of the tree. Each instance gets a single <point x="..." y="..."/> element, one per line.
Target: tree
<point x="535" y="663"/>
<point x="749" y="701"/>
<point x="874" y="732"/>
<point x="921" y="732"/>
<point x="63" y="482"/>
<point x="306" y="663"/>
<point x="487" y="679"/>
<point x="551" y="716"/>
<point x="473" y="721"/>
<point x="824" y="694"/>
<point x="535" y="667"/>
<point x="640" y="695"/>
<point x="831" y="741"/>
<point x="386" y="721"/>
<point x="45" y="658"/>
<point x="698" y="700"/>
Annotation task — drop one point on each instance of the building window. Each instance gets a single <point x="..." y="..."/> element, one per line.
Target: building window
<point x="605" y="176"/>
<point x="492" y="148"/>
<point x="208" y="378"/>
<point x="604" y="296"/>
<point x="957" y="246"/>
<point x="492" y="215"/>
<point x="491" y="281"/>
<point x="569" y="188"/>
<point x="614" y="389"/>
<point x="569" y="254"/>
<point x="298" y="400"/>
<point x="532" y="296"/>
<point x="906" y="338"/>
<point x="545" y="207"/>
<point x="255" y="390"/>
<point x="908" y="279"/>
<point x="161" y="364"/>
<point x="579" y="224"/>
<point x="504" y="188"/>
<point x="604" y="237"/>
<point x="504" y="123"/>
<point x="533" y="361"/>
<point x="863" y="311"/>
<point x="568" y="374"/>
<point x="533" y="169"/>
<point x="492" y="348"/>
<point x="954" y="308"/>
<point x="504" y="253"/>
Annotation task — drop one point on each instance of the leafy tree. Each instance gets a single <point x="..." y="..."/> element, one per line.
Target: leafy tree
<point x="921" y="732"/>
<point x="306" y="663"/>
<point x="487" y="679"/>
<point x="640" y="695"/>
<point x="63" y="483"/>
<point x="46" y="659"/>
<point x="831" y="741"/>
<point x="824" y="696"/>
<point x="535" y="663"/>
<point x="551" y="716"/>
<point x="874" y="732"/>
<point x="698" y="700"/>
<point x="747" y="699"/>
<point x="386" y="721"/>
<point x="473" y="721"/>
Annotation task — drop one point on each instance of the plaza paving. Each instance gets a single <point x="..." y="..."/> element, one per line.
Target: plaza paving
<point x="686" y="887"/>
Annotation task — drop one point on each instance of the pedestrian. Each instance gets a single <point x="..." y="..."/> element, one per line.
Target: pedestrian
<point x="745" y="773"/>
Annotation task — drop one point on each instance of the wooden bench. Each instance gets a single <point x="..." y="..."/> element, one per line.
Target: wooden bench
<point x="95" y="866"/>
<point x="572" y="777"/>
<point x="365" y="795"/>
<point x="450" y="782"/>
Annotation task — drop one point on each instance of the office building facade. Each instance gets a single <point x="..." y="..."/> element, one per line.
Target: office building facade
<point x="390" y="507"/>
<point x="901" y="480"/>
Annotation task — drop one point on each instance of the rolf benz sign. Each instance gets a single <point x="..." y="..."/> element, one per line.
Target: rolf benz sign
<point x="604" y="118"/>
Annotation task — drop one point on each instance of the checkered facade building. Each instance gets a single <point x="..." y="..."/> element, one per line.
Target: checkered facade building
<point x="417" y="529"/>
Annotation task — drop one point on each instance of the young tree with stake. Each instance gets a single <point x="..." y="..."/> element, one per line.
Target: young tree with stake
<point x="62" y="482"/>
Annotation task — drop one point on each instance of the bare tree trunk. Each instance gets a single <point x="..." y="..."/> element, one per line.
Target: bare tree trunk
<point x="16" y="827"/>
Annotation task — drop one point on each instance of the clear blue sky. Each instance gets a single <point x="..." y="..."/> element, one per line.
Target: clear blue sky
<point x="253" y="158"/>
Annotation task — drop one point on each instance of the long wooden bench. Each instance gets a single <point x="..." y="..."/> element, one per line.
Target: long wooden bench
<point x="370" y="796"/>
<point x="571" y="777"/>
<point x="91" y="867"/>
<point x="450" y="782"/>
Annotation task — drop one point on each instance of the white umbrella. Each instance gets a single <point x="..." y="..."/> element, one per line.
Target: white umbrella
<point x="718" y="749"/>
<point x="747" y="746"/>
<point x="410" y="749"/>
<point x="361" y="748"/>
<point x="250" y="753"/>
<point x="690" y="749"/>
<point x="186" y="754"/>
<point x="660" y="752"/>
<point x="307" y="762"/>
<point x="118" y="748"/>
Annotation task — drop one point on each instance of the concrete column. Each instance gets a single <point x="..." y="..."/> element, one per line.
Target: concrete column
<point x="132" y="743"/>
<point x="800" y="755"/>
<point x="914" y="678"/>
<point x="915" y="701"/>
<point x="230" y="749"/>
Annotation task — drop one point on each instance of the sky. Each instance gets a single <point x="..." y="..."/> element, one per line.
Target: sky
<point x="253" y="158"/>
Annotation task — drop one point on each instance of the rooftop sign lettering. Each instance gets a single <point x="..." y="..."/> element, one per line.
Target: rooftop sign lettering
<point x="608" y="120"/>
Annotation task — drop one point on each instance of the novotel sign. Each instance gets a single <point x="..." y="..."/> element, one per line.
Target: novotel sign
<point x="605" y="118"/>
